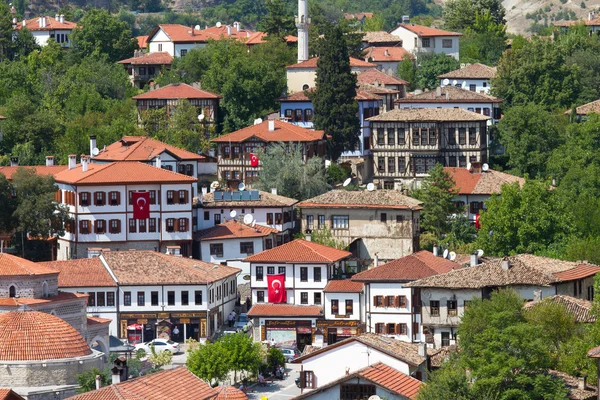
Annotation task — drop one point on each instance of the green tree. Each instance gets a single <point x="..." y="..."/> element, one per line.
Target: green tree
<point x="287" y="171"/>
<point x="336" y="174"/>
<point x="243" y="353"/>
<point x="449" y="382"/>
<point x="407" y="71"/>
<point x="102" y="34"/>
<point x="376" y="23"/>
<point x="87" y="380"/>
<point x="325" y="237"/>
<point x="275" y="358"/>
<point x="430" y="66"/>
<point x="461" y="233"/>
<point x="209" y="362"/>
<point x="335" y="106"/>
<point x="483" y="42"/>
<point x="460" y="14"/>
<point x="159" y="360"/>
<point x="8" y="205"/>
<point x="437" y="193"/>
<point x="278" y="21"/>
<point x="23" y="44"/>
<point x="6" y="31"/>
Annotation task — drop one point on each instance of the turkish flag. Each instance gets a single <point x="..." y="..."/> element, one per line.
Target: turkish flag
<point x="277" y="288"/>
<point x="253" y="160"/>
<point x="477" y="223"/>
<point x="141" y="205"/>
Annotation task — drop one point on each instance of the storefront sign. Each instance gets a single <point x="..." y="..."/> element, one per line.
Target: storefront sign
<point x="142" y="321"/>
<point x="184" y="320"/>
<point x="163" y="315"/>
<point x="132" y="316"/>
<point x="327" y="323"/>
<point x="342" y="316"/>
<point x="188" y="315"/>
<point x="286" y="323"/>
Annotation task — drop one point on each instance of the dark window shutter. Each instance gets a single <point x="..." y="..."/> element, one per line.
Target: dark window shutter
<point x="375" y="301"/>
<point x="80" y="197"/>
<point x="176" y="225"/>
<point x="95" y="226"/>
<point x="397" y="301"/>
<point x="472" y="207"/>
<point x="118" y="226"/>
<point x="398" y="328"/>
<point x="80" y="226"/>
<point x="118" y="198"/>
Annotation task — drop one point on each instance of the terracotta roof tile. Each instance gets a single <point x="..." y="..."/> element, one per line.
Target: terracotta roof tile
<point x="284" y="310"/>
<point x="386" y="198"/>
<point x="82" y="272"/>
<point x="233" y="229"/>
<point x="589" y="392"/>
<point x="144" y="267"/>
<point x="120" y="172"/>
<point x="386" y="54"/>
<point x="98" y="321"/>
<point x="21" y="301"/>
<point x="298" y="251"/>
<point x="441" y="355"/>
<point x="381" y="37"/>
<point x="177" y="383"/>
<point x="409" y="268"/>
<point x="312" y="63"/>
<point x="142" y="41"/>
<point x="379" y="90"/>
<point x="579" y="272"/>
<point x="429" y="114"/>
<point x="176" y="91"/>
<point x="343" y="286"/>
<point x="32" y="335"/>
<point x="472" y="71"/>
<point x="489" y="182"/>
<point x="580" y="308"/>
<point x="157" y="58"/>
<point x="8" y="394"/>
<point x="375" y="76"/>
<point x="142" y="148"/>
<point x="260" y="38"/>
<point x="33" y="24"/>
<point x="588" y="108"/>
<point x="426" y="31"/>
<point x="448" y="94"/>
<point x="303" y="96"/>
<point x="16" y="266"/>
<point x="266" y="199"/>
<point x="284" y="132"/>
<point x="182" y="34"/>
<point x="230" y="393"/>
<point x="39" y="169"/>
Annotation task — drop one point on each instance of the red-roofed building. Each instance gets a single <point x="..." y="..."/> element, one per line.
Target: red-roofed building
<point x="260" y="38"/>
<point x="387" y="58"/>
<point x="235" y="149"/>
<point x="423" y="39"/>
<point x="142" y="42"/>
<point x="343" y="310"/>
<point x="144" y="67"/>
<point x="45" y="28"/>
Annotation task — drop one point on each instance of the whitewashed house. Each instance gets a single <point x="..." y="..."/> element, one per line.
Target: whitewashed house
<point x="343" y="310"/>
<point x="45" y="28"/>
<point x="444" y="297"/>
<point x="391" y="308"/>
<point x="474" y="77"/>
<point x="423" y="39"/>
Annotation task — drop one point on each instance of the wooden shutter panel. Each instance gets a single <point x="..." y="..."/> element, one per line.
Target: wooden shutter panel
<point x="415" y="328"/>
<point x="397" y="301"/>
<point x="175" y="196"/>
<point x="95" y="201"/>
<point x="119" y="199"/>
<point x="398" y="328"/>
<point x="80" y="226"/>
<point x="95" y="226"/>
<point x="118" y="226"/>
<point x="472" y="207"/>
<point x="186" y="197"/>
<point x="375" y="301"/>
<point x="80" y="197"/>
<point x="176" y="225"/>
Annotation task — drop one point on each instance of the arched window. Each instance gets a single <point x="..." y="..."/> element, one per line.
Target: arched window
<point x="45" y="289"/>
<point x="12" y="291"/>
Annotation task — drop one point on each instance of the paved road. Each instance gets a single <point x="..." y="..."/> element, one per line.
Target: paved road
<point x="278" y="390"/>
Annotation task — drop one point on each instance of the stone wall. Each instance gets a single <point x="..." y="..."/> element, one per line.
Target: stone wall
<point x="29" y="286"/>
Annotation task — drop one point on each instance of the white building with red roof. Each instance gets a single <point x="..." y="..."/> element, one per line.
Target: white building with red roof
<point x="144" y="67"/>
<point x="45" y="28"/>
<point x="343" y="311"/>
<point x="475" y="77"/>
<point x="387" y="58"/>
<point x="423" y="39"/>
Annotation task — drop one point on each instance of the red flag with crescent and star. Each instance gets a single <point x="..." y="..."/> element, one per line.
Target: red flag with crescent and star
<point x="253" y="160"/>
<point x="141" y="205"/>
<point x="277" y="288"/>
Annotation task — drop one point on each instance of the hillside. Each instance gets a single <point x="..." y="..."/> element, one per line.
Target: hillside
<point x="518" y="10"/>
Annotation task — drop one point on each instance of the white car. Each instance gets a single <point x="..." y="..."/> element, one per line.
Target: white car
<point x="160" y="345"/>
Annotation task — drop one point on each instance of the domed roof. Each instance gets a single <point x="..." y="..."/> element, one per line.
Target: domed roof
<point x="32" y="335"/>
<point x="230" y="393"/>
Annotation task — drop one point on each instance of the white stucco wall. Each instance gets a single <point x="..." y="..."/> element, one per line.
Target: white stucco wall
<point x="482" y="85"/>
<point x="436" y="46"/>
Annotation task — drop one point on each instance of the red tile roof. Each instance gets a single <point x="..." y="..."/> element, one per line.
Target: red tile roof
<point x="300" y="251"/>
<point x="588" y="108"/>
<point x="409" y="268"/>
<point x="581" y="309"/>
<point x="449" y="94"/>
<point x="120" y="173"/>
<point x="230" y="393"/>
<point x="579" y="272"/>
<point x="182" y="34"/>
<point x="233" y="229"/>
<point x="142" y="148"/>
<point x="176" y="91"/>
<point x="260" y="37"/>
<point x="284" y="310"/>
<point x="426" y="31"/>
<point x="343" y="286"/>
<point x="33" y="24"/>
<point x="8" y="394"/>
<point x="16" y="266"/>
<point x="157" y="58"/>
<point x="489" y="182"/>
<point x="375" y="76"/>
<point x="379" y="199"/>
<point x="142" y="41"/>
<point x="83" y="272"/>
<point x="303" y="96"/>
<point x="471" y="71"/>
<point x="389" y="54"/>
<point x="312" y="63"/>
<point x="392" y="379"/>
<point x="39" y="169"/>
<point x="32" y="335"/>
<point x="175" y="384"/>
<point x="284" y="132"/>
<point x="27" y="301"/>
<point x="98" y="321"/>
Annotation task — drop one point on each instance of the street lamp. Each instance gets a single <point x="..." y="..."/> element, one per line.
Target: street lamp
<point x="208" y="299"/>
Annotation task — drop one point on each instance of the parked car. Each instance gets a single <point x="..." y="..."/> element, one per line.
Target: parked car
<point x="243" y="323"/>
<point x="289" y="354"/>
<point x="160" y="345"/>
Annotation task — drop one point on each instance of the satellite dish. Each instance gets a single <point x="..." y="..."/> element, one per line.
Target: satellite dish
<point x="370" y="187"/>
<point x="233" y="214"/>
<point x="374" y="397"/>
<point x="347" y="182"/>
<point x="258" y="121"/>
<point x="201" y="117"/>
<point x="452" y="256"/>
<point x="218" y="24"/>
<point x="248" y="219"/>
<point x="95" y="151"/>
<point x="446" y="81"/>
<point x="241" y="186"/>
<point x="197" y="27"/>
<point x="214" y="185"/>
<point x="485" y="167"/>
<point x="469" y="166"/>
<point x="454" y="82"/>
<point x="479" y="253"/>
<point x="446" y="253"/>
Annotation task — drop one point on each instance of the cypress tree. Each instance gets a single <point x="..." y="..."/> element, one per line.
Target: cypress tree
<point x="336" y="109"/>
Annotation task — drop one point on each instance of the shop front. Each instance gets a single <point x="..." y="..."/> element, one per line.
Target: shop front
<point x="289" y="333"/>
<point x="143" y="327"/>
<point x="335" y="331"/>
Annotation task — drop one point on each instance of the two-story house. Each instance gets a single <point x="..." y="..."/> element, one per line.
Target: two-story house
<point x="375" y="77"/>
<point x="387" y="58"/>
<point x="379" y="223"/>
<point x="474" y="77"/>
<point x="455" y="97"/>
<point x="99" y="201"/>
<point x="444" y="297"/>
<point x="407" y="143"/>
<point x="392" y="309"/>
<point x="229" y="242"/>
<point x="235" y="150"/>
<point x="144" y="67"/>
<point x="343" y="309"/>
<point x="45" y="28"/>
<point x="424" y="39"/>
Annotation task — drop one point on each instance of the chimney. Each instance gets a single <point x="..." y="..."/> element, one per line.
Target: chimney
<point x="423" y="349"/>
<point x="386" y="53"/>
<point x="405" y="19"/>
<point x="376" y="260"/>
<point x="438" y="91"/>
<point x="537" y="295"/>
<point x="435" y="250"/>
<point x="40" y="22"/>
<point x="24" y="23"/>
<point x="157" y="162"/>
<point x="271" y="125"/>
<point x="505" y="264"/>
<point x="204" y="190"/>
<point x="474" y="260"/>
<point x="447" y="95"/>
<point x="72" y="161"/>
<point x="14" y="161"/>
<point x="57" y="17"/>
<point x="591" y="15"/>
<point x="98" y="382"/>
<point x="49" y="161"/>
<point x="193" y="34"/>
<point x="62" y="19"/>
<point x="116" y="376"/>
<point x="581" y="382"/>
<point x="92" y="144"/>
<point x="211" y="153"/>
<point x="228" y="30"/>
<point x="274" y="191"/>
<point x="84" y="163"/>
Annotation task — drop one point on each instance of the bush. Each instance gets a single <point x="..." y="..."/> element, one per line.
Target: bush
<point x="336" y="174"/>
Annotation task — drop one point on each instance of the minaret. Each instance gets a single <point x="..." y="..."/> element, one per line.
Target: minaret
<point x="302" y="22"/>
